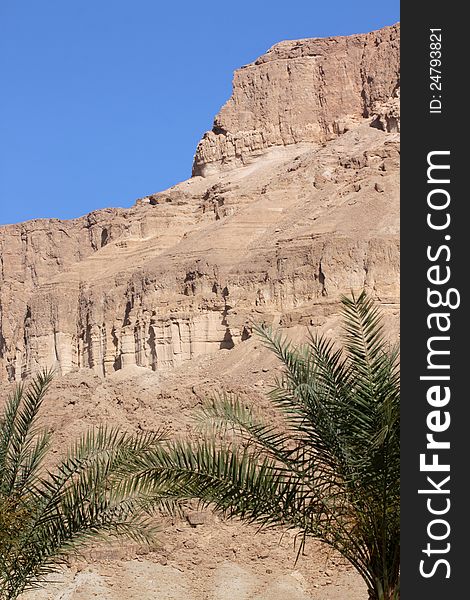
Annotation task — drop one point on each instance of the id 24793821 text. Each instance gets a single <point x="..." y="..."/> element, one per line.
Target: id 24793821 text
<point x="435" y="71"/>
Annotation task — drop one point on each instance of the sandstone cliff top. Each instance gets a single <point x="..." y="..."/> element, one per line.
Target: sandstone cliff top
<point x="307" y="90"/>
<point x="318" y="46"/>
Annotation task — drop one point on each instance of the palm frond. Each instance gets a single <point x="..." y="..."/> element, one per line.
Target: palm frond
<point x="17" y="432"/>
<point x="331" y="470"/>
<point x="90" y="494"/>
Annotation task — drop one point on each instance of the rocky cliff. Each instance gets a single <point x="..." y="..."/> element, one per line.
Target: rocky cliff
<point x="302" y="91"/>
<point x="293" y="201"/>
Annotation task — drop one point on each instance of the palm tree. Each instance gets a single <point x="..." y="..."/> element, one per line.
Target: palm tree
<point x="332" y="469"/>
<point x="47" y="515"/>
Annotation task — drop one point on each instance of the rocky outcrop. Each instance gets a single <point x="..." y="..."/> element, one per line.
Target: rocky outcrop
<point x="311" y="213"/>
<point x="387" y="114"/>
<point x="301" y="91"/>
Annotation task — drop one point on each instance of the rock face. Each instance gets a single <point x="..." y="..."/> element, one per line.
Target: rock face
<point x="297" y="205"/>
<point x="147" y="311"/>
<point x="302" y="91"/>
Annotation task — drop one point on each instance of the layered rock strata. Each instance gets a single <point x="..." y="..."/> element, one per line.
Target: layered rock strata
<point x="307" y="90"/>
<point x="298" y="205"/>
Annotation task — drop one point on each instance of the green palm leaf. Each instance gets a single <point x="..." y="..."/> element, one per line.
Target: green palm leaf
<point x="330" y="471"/>
<point x="46" y="515"/>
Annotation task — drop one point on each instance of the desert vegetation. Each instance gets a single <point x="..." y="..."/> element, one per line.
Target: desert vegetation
<point x="48" y="511"/>
<point x="331" y="470"/>
<point x="328" y="467"/>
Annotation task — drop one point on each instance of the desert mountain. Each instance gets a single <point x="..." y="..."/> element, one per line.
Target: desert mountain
<point x="293" y="201"/>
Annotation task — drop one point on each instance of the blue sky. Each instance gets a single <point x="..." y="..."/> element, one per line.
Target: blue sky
<point x="104" y="101"/>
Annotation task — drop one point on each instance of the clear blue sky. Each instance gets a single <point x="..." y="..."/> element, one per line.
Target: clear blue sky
<point x="104" y="101"/>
